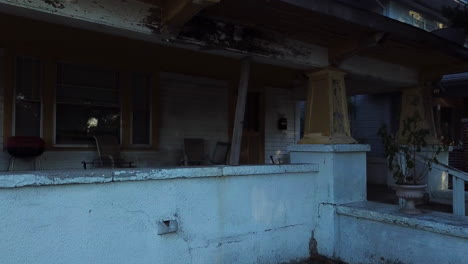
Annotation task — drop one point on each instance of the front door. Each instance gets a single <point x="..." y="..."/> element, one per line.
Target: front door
<point x="252" y="148"/>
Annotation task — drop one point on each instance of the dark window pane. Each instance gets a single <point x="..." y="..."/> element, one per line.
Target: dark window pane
<point x="87" y="104"/>
<point x="252" y="112"/>
<point x="27" y="95"/>
<point x="141" y="84"/>
<point x="78" y="124"/>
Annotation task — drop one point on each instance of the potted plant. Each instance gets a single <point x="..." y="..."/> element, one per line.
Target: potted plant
<point x="403" y="154"/>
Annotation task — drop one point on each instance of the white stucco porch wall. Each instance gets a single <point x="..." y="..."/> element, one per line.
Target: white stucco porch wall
<point x="245" y="214"/>
<point x="374" y="233"/>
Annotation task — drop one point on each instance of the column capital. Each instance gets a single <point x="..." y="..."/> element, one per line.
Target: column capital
<point x="327" y="71"/>
<point x="327" y="109"/>
<point x="417" y="101"/>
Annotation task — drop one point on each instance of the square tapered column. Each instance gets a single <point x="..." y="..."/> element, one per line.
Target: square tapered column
<point x="326" y="120"/>
<point x="418" y="101"/>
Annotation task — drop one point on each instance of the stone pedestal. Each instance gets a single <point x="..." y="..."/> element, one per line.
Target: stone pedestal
<point x="342" y="179"/>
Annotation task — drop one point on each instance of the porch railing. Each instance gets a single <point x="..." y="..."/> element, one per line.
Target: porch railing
<point x="458" y="181"/>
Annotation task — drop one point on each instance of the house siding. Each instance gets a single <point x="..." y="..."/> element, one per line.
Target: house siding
<point x="192" y="107"/>
<point x="368" y="114"/>
<point x="279" y="103"/>
<point x="189" y="107"/>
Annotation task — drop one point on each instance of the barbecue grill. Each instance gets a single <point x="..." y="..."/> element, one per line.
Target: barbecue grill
<point x="24" y="148"/>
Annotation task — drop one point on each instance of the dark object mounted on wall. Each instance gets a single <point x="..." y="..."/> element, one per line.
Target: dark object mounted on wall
<point x="282" y="123"/>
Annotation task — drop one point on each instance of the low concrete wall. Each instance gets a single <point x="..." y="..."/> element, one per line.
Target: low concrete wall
<point x="243" y="214"/>
<point x="374" y="233"/>
<point x="344" y="180"/>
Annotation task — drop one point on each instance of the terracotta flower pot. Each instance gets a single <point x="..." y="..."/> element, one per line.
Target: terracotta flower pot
<point x="410" y="193"/>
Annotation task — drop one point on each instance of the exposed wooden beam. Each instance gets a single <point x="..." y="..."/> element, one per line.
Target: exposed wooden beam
<point x="353" y="46"/>
<point x="377" y="22"/>
<point x="175" y="13"/>
<point x="240" y="111"/>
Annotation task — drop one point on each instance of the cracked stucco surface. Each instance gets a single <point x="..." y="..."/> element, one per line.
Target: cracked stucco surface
<point x="62" y="177"/>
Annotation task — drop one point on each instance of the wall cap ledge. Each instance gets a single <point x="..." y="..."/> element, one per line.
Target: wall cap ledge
<point x="430" y="221"/>
<point x="329" y="148"/>
<point x="64" y="177"/>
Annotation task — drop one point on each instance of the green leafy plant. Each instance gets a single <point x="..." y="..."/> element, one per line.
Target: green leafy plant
<point x="402" y="153"/>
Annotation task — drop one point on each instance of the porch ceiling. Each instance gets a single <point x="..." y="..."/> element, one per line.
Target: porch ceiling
<point x="402" y="44"/>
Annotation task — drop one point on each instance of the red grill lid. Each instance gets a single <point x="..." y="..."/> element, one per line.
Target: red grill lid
<point x="21" y="146"/>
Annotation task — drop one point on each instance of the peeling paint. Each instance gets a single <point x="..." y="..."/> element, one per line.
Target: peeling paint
<point x="153" y="20"/>
<point x="220" y="34"/>
<point x="55" y="3"/>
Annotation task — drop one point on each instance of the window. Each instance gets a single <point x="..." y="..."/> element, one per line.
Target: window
<point x="87" y="103"/>
<point x="27" y="97"/>
<point x="141" y="101"/>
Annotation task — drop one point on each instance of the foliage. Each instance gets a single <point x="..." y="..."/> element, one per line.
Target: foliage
<point x="458" y="16"/>
<point x="402" y="154"/>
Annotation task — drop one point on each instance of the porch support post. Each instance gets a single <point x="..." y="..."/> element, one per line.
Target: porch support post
<point x="240" y="111"/>
<point x="418" y="100"/>
<point x="326" y="120"/>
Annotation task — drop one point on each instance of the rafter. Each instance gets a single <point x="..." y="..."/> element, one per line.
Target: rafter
<point x="176" y="13"/>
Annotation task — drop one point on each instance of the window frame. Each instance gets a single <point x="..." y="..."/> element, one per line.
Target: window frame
<point x="48" y="102"/>
<point x="55" y="89"/>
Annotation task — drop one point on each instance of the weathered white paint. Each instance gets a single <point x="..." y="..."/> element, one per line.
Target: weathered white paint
<point x="371" y="233"/>
<point x="63" y="177"/>
<point x="262" y="217"/>
<point x="286" y="211"/>
<point x="458" y="200"/>
<point x="239" y="115"/>
<point x="345" y="181"/>
<point x="130" y="19"/>
<point x="279" y="103"/>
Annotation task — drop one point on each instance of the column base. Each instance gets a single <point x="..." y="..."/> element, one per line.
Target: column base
<point x="319" y="138"/>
